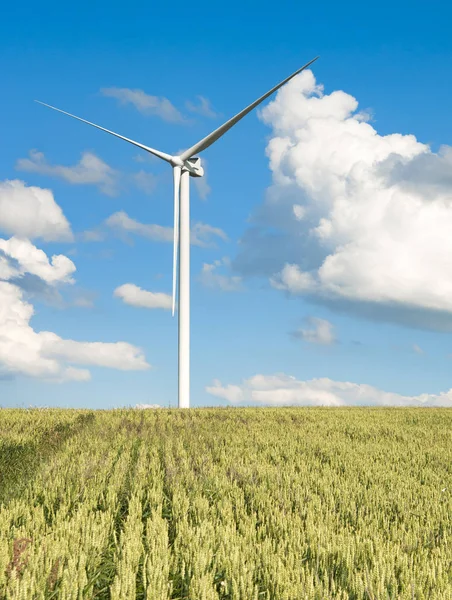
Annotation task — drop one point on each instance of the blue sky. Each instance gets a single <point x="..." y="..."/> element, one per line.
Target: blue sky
<point x="343" y="300"/>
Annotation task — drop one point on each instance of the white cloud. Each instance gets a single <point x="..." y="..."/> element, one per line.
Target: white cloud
<point x="202" y="183"/>
<point x="145" y="406"/>
<point x="135" y="296"/>
<point x="84" y="301"/>
<point x="202" y="186"/>
<point x="201" y="233"/>
<point x="376" y="212"/>
<point x="31" y="212"/>
<point x="146" y="157"/>
<point x="210" y="278"/>
<point x="299" y="211"/>
<point x="89" y="170"/>
<point x="294" y="280"/>
<point x="116" y="355"/>
<point x="121" y="222"/>
<point x="92" y="235"/>
<point x="203" y="107"/>
<point x="285" y="390"/>
<point x="232" y="393"/>
<point x="146" y="104"/>
<point x="44" y="354"/>
<point x="145" y="181"/>
<point x="417" y="349"/>
<point x="29" y="259"/>
<point x="321" y="332"/>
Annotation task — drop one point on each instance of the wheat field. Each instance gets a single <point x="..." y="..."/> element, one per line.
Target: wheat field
<point x="226" y="503"/>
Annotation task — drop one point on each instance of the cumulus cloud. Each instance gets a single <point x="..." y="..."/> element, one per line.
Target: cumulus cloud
<point x="294" y="280"/>
<point x="135" y="296"/>
<point x="20" y="256"/>
<point x="321" y="332"/>
<point x="231" y="393"/>
<point x="201" y="233"/>
<point x="89" y="170"/>
<point x="116" y="355"/>
<point x="203" y="107"/>
<point x="285" y="390"/>
<point x="44" y="354"/>
<point x="429" y="172"/>
<point x="360" y="218"/>
<point x="145" y="406"/>
<point x="209" y="276"/>
<point x="31" y="212"/>
<point x="148" y="105"/>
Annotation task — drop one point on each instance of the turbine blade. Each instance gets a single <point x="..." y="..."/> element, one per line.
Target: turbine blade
<point x="212" y="137"/>
<point x="176" y="176"/>
<point x="162" y="155"/>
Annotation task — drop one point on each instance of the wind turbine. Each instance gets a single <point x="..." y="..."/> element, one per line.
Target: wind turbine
<point x="184" y="166"/>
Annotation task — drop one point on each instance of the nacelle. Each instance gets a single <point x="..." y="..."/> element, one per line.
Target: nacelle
<point x="193" y="166"/>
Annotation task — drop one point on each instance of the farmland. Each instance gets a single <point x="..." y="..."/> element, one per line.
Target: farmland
<point x="237" y="503"/>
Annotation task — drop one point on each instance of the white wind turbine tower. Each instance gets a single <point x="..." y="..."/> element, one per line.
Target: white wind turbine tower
<point x="184" y="166"/>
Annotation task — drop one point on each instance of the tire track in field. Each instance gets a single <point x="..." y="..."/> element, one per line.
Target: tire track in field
<point x="19" y="463"/>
